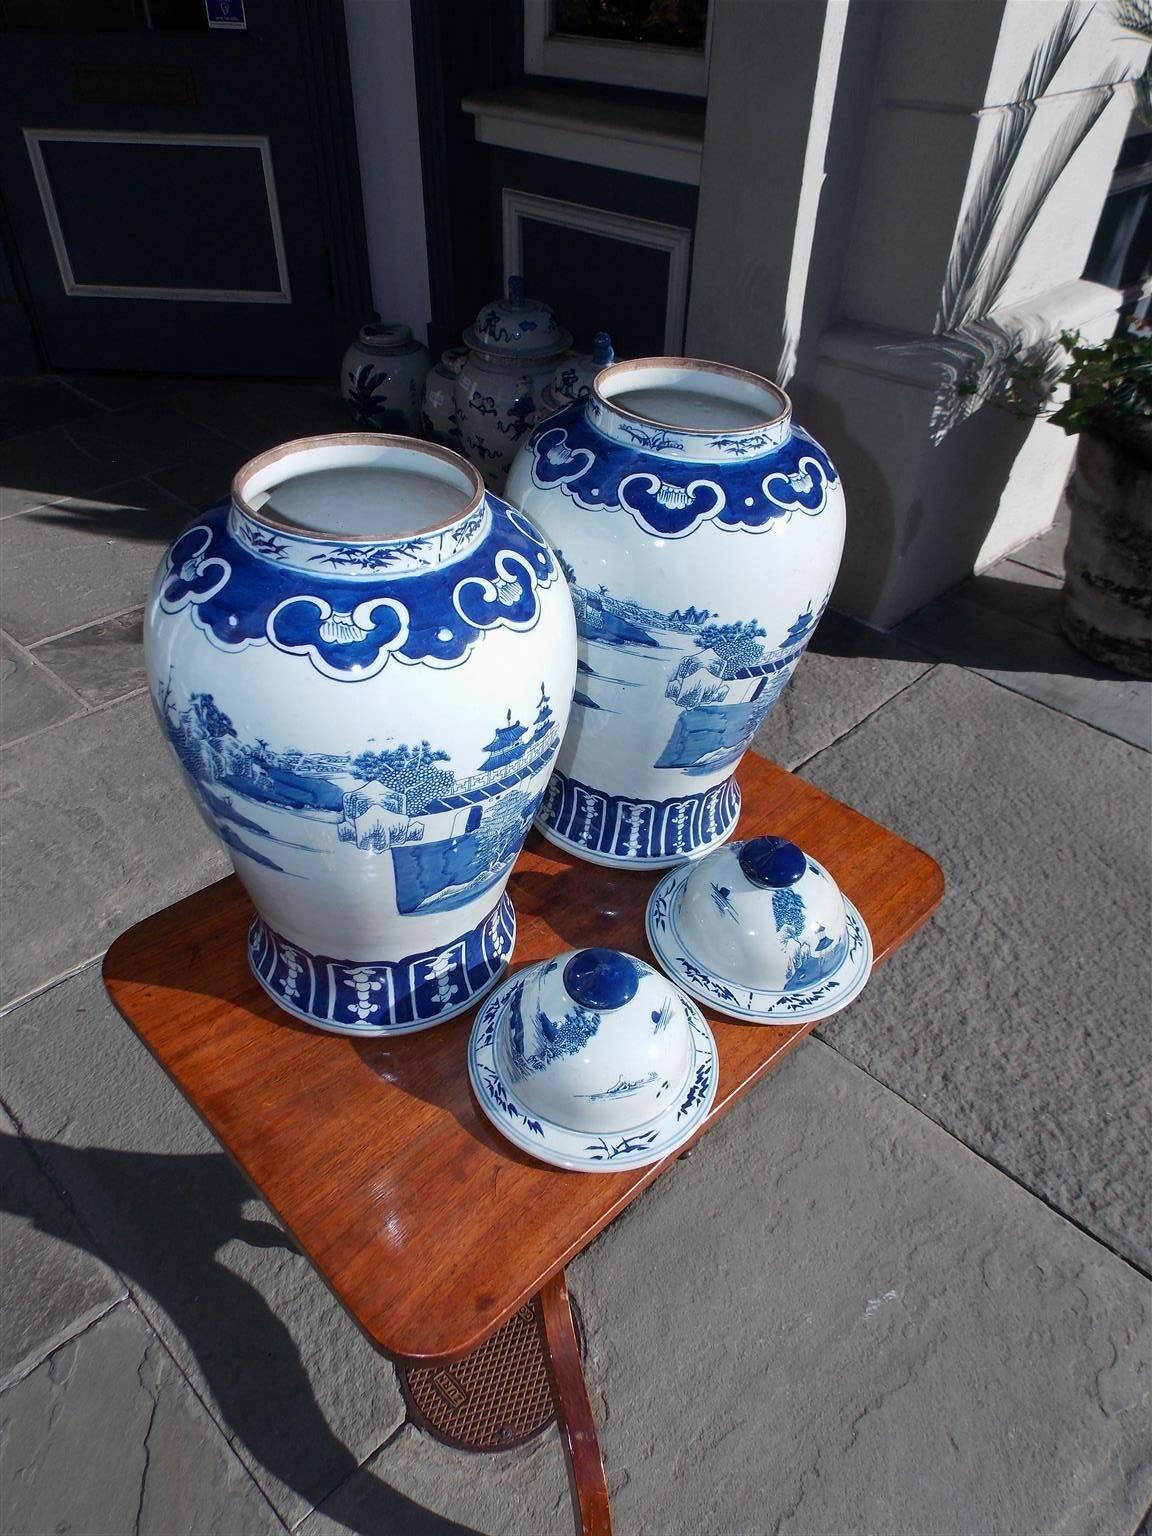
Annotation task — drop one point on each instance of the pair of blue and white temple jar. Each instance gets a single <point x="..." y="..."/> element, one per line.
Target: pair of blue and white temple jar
<point x="376" y="675"/>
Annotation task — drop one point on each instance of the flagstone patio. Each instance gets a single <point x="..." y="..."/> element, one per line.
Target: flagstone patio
<point x="901" y="1290"/>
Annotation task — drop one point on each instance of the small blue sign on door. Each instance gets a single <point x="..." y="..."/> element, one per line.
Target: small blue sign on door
<point x="226" y="15"/>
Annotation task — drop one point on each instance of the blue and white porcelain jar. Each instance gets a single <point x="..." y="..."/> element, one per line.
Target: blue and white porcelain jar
<point x="572" y="382"/>
<point x="438" y="414"/>
<point x="382" y="378"/>
<point x="364" y="666"/>
<point x="515" y="348"/>
<point x="701" y="532"/>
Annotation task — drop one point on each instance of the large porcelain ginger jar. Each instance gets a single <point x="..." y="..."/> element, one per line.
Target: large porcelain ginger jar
<point x="701" y="532"/>
<point x="382" y="378"/>
<point x="515" y="349"/>
<point x="364" y="665"/>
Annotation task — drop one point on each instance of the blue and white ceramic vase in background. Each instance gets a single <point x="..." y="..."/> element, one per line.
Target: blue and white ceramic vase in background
<point x="515" y="348"/>
<point x="438" y="413"/>
<point x="701" y="532"/>
<point x="572" y="382"/>
<point x="382" y="378"/>
<point x="364" y="665"/>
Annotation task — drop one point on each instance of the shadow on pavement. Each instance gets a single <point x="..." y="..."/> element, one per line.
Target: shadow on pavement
<point x="179" y="1211"/>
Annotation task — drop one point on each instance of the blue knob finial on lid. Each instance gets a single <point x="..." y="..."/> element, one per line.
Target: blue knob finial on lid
<point x="772" y="861"/>
<point x="516" y="290"/>
<point x="601" y="978"/>
<point x="602" y="349"/>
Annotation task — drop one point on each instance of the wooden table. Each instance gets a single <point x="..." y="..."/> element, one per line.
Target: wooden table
<point x="429" y="1227"/>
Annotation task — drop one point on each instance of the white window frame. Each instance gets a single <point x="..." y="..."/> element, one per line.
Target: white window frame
<point x="35" y="137"/>
<point x="643" y="66"/>
<point x="670" y="238"/>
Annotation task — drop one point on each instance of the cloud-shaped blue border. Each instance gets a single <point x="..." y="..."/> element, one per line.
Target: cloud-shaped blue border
<point x="672" y="497"/>
<point x="349" y="631"/>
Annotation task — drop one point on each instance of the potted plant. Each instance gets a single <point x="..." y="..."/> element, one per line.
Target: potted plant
<point x="1108" y="562"/>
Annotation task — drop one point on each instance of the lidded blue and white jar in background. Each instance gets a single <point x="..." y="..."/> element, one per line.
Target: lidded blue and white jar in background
<point x="382" y="378"/>
<point x="364" y="666"/>
<point x="701" y="532"/>
<point x="438" y="413"/>
<point x="515" y="347"/>
<point x="572" y="382"/>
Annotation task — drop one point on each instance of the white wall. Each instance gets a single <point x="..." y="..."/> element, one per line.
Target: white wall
<point x="843" y="206"/>
<point x="388" y="143"/>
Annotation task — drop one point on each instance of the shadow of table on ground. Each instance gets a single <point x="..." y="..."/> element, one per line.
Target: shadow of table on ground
<point x="170" y="1216"/>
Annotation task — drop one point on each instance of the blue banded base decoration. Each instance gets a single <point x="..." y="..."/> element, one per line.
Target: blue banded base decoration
<point x="621" y="830"/>
<point x="396" y="997"/>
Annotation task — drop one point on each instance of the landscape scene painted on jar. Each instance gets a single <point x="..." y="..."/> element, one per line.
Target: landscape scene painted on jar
<point x="722" y="677"/>
<point x="448" y="837"/>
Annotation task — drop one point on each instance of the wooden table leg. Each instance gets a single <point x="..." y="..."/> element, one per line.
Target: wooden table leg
<point x="574" y="1411"/>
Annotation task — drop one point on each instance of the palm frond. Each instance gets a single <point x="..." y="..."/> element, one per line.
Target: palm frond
<point x="1136" y="16"/>
<point x="1003" y="252"/>
<point x="959" y="300"/>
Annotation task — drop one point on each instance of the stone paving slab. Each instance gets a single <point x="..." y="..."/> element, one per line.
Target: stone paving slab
<point x="106" y="1439"/>
<point x="1018" y="592"/>
<point x="30" y="697"/>
<point x="301" y="1394"/>
<point x="203" y="481"/>
<point x="77" y="561"/>
<point x="419" y="1487"/>
<point x="101" y="449"/>
<point x="831" y="1320"/>
<point x="102" y="661"/>
<point x="1041" y="666"/>
<point x="53" y="1286"/>
<point x="1046" y="551"/>
<point x="96" y="831"/>
<point x="37" y="402"/>
<point x="1018" y="1018"/>
<point x="848" y="671"/>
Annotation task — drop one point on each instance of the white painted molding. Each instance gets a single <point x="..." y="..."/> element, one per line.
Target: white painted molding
<point x="672" y="238"/>
<point x="664" y="142"/>
<point x="643" y="66"/>
<point x="35" y="137"/>
<point x="916" y="360"/>
<point x="382" y="69"/>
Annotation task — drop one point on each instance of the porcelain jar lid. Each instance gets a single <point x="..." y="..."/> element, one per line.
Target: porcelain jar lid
<point x="517" y="327"/>
<point x="760" y="930"/>
<point x="388" y="336"/>
<point x="593" y="1060"/>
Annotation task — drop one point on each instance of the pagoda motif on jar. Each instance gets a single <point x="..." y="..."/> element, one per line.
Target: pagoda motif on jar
<point x="515" y="348"/>
<point x="364" y="665"/>
<point x="701" y="532"/>
<point x="382" y="378"/>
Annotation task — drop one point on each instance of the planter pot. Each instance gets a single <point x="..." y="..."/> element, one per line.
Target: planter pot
<point x="701" y="533"/>
<point x="1108" y="561"/>
<point x="364" y="665"/>
<point x="382" y="378"/>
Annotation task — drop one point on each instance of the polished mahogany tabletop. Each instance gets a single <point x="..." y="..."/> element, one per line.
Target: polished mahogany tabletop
<point x="429" y="1227"/>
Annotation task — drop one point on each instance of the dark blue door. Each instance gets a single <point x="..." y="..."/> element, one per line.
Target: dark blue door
<point x="182" y="198"/>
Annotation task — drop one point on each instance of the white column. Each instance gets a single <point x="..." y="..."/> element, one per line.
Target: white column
<point x="848" y="156"/>
<point x="772" y="84"/>
<point x="388" y="143"/>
